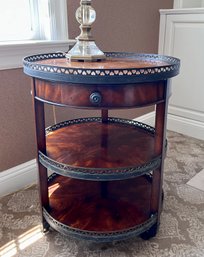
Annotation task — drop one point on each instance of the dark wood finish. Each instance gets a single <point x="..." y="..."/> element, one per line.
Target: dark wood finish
<point x="41" y="145"/>
<point x="113" y="96"/>
<point x="109" y="63"/>
<point x="79" y="203"/>
<point x="118" y="68"/>
<point x="104" y="143"/>
<point x="160" y="136"/>
<point x="122" y="81"/>
<point x="104" y="115"/>
<point x="101" y="145"/>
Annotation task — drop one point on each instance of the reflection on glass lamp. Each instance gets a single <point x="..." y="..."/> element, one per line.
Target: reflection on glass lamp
<point x="85" y="48"/>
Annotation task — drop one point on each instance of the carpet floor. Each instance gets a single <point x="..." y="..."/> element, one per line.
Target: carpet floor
<point x="181" y="232"/>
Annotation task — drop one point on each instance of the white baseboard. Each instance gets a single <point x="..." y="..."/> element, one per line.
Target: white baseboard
<point x="148" y="118"/>
<point x="186" y="126"/>
<point x="178" y="124"/>
<point x="18" y="177"/>
<point x="186" y="113"/>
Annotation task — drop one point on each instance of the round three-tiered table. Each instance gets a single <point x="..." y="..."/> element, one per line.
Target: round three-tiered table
<point x="107" y="172"/>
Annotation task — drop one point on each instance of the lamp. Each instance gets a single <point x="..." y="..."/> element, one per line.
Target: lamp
<point x="85" y="48"/>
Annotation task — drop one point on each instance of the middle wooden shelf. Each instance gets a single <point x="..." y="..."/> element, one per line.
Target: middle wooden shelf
<point x="88" y="148"/>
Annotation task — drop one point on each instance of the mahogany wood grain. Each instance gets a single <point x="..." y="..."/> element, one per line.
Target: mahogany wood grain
<point x="113" y="96"/>
<point x="79" y="203"/>
<point x="109" y="63"/>
<point x="160" y="136"/>
<point x="94" y="205"/>
<point x="101" y="145"/>
<point x="41" y="145"/>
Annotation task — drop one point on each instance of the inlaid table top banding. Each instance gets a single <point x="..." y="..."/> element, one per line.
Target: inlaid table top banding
<point x="126" y="67"/>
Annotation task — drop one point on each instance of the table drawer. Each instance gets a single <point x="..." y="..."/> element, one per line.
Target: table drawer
<point x="100" y="96"/>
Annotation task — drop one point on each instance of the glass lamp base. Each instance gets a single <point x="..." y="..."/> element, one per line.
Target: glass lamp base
<point x="85" y="51"/>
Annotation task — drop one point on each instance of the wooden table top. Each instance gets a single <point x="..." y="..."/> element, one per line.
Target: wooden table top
<point x="118" y="68"/>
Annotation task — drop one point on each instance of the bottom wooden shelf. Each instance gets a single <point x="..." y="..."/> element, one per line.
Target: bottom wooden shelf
<point x="103" y="211"/>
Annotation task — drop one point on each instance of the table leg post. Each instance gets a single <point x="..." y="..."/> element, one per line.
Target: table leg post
<point x="104" y="142"/>
<point x="160" y="145"/>
<point x="104" y="115"/>
<point x="104" y="189"/>
<point x="41" y="146"/>
<point x="158" y="173"/>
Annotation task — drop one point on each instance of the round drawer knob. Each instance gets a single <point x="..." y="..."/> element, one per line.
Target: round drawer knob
<point x="95" y="98"/>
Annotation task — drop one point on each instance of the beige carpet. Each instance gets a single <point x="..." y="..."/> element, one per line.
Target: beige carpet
<point x="181" y="232"/>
